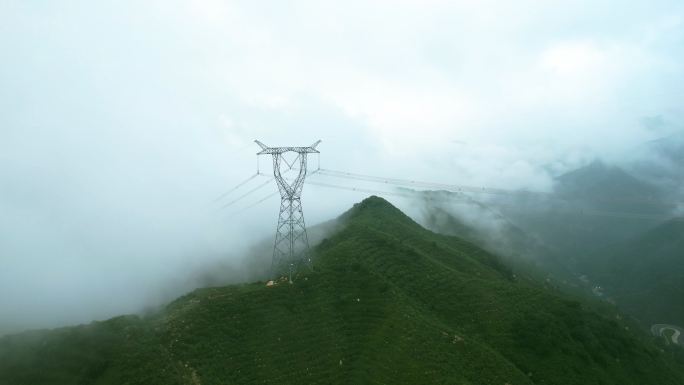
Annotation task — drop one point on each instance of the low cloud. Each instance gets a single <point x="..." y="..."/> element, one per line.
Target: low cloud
<point x="121" y="123"/>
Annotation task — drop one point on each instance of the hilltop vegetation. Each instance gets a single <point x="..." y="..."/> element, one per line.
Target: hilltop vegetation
<point x="388" y="302"/>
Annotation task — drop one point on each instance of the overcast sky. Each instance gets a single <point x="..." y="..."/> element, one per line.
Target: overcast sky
<point x="121" y="121"/>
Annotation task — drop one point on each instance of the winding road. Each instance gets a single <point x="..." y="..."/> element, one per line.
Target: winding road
<point x="659" y="329"/>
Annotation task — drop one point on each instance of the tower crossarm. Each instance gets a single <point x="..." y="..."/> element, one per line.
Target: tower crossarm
<point x="280" y="150"/>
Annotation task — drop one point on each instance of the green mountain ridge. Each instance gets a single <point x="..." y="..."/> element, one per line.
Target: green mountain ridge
<point x="607" y="185"/>
<point x="635" y="262"/>
<point x="645" y="275"/>
<point x="502" y="237"/>
<point x="388" y="302"/>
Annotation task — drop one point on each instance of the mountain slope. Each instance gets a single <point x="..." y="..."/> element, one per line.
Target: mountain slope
<point x="601" y="184"/>
<point x="488" y="228"/>
<point x="660" y="162"/>
<point x="584" y="222"/>
<point x="591" y="210"/>
<point x="646" y="274"/>
<point x="388" y="302"/>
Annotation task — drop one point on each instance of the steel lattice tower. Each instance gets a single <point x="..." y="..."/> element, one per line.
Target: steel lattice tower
<point x="291" y="248"/>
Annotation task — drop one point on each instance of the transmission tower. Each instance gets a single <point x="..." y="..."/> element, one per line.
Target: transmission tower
<point x="291" y="248"/>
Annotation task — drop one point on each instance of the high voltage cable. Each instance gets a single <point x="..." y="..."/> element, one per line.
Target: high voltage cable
<point x="412" y="194"/>
<point x="369" y="191"/>
<point x="473" y="189"/>
<point x="247" y="194"/>
<point x="236" y="187"/>
<point x="267" y="197"/>
<point x="445" y="200"/>
<point x="244" y="182"/>
<point x="364" y="190"/>
<point x="264" y="198"/>
<point x="451" y="200"/>
<point x="406" y="182"/>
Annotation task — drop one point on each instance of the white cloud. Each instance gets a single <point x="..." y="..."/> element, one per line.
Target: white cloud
<point x="472" y="70"/>
<point x="573" y="58"/>
<point x="131" y="116"/>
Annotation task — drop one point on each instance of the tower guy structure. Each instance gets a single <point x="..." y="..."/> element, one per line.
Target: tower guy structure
<point x="291" y="248"/>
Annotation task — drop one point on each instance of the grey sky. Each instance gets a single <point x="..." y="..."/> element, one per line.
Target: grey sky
<point x="121" y="121"/>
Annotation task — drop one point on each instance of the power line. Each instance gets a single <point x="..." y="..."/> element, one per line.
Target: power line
<point x="247" y="194"/>
<point x="485" y="190"/>
<point x="407" y="182"/>
<point x="267" y="197"/>
<point x="443" y="186"/>
<point x="416" y="194"/>
<point x="236" y="187"/>
<point x="358" y="189"/>
<point x="602" y="213"/>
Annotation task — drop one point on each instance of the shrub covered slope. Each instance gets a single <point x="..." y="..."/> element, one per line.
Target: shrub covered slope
<point x="388" y="302"/>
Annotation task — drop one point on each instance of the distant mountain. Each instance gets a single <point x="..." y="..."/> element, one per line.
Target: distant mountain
<point x="452" y="214"/>
<point x="608" y="187"/>
<point x="388" y="302"/>
<point x="661" y="162"/>
<point x="602" y="226"/>
<point x="645" y="275"/>
<point x="670" y="147"/>
<point x="637" y="261"/>
<point x="592" y="208"/>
